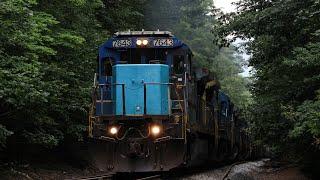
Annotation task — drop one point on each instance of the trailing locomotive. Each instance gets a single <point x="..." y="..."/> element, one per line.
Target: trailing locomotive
<point x="154" y="109"/>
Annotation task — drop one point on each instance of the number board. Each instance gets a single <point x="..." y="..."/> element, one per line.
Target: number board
<point x="162" y="42"/>
<point x="122" y="43"/>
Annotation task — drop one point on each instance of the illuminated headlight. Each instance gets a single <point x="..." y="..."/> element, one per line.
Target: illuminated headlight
<point x="139" y="42"/>
<point x="113" y="130"/>
<point x="145" y="42"/>
<point x="155" y="130"/>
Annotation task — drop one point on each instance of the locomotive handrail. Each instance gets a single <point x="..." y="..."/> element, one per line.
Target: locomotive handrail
<point x="123" y="95"/>
<point x="110" y="84"/>
<point x="92" y="107"/>
<point x="95" y="80"/>
<point x="155" y="83"/>
<point x="145" y="84"/>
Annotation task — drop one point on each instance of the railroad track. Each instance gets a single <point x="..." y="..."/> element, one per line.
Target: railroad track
<point x="98" y="177"/>
<point x="151" y="177"/>
<point x="112" y="176"/>
<point x="231" y="167"/>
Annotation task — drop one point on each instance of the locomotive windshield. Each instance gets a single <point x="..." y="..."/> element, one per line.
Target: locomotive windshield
<point x="143" y="56"/>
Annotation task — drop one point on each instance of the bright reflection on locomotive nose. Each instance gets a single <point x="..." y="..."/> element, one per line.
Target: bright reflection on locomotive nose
<point x="139" y="42"/>
<point x="145" y="42"/>
<point x="155" y="130"/>
<point x="113" y="130"/>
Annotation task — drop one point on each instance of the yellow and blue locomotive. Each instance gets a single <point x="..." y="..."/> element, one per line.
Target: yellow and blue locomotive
<point x="155" y="109"/>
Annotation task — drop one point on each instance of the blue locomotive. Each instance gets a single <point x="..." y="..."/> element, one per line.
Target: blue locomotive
<point x="155" y="109"/>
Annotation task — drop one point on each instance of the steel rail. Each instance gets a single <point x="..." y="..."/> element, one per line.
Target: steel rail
<point x="98" y="177"/>
<point x="231" y="167"/>
<point x="150" y="177"/>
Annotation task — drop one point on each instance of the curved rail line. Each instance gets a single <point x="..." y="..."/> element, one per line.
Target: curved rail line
<point x="151" y="177"/>
<point x="231" y="167"/>
<point x="98" y="177"/>
<point x="111" y="176"/>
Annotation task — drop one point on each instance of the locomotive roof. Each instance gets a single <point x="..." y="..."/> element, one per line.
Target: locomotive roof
<point x="144" y="33"/>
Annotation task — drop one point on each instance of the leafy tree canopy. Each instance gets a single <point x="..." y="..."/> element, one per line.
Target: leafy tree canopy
<point x="284" y="40"/>
<point x="47" y="58"/>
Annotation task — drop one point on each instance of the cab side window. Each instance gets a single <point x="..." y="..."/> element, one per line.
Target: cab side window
<point x="124" y="57"/>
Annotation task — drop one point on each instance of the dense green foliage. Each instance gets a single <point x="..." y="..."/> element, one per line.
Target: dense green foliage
<point x="190" y="20"/>
<point x="48" y="53"/>
<point x="284" y="40"/>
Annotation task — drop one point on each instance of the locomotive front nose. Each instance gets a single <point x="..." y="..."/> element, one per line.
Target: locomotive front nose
<point x="135" y="150"/>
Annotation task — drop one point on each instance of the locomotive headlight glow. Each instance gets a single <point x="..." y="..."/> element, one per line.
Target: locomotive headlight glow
<point x="113" y="130"/>
<point x="145" y="42"/>
<point x="139" y="42"/>
<point x="155" y="129"/>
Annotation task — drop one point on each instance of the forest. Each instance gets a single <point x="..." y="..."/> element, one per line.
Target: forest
<point x="48" y="51"/>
